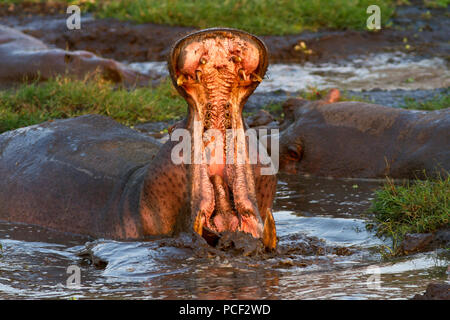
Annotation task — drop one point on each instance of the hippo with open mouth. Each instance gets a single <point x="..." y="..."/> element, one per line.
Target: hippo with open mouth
<point x="89" y="175"/>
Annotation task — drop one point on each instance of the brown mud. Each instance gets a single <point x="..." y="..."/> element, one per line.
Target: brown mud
<point x="416" y="29"/>
<point x="435" y="291"/>
<point x="245" y="251"/>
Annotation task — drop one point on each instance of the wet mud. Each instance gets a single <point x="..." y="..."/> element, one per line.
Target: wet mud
<point x="426" y="34"/>
<point x="417" y="33"/>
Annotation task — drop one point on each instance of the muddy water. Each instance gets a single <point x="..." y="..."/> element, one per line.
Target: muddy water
<point x="385" y="71"/>
<point x="324" y="252"/>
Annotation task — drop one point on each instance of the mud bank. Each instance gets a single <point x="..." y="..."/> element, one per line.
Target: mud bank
<point x="414" y="31"/>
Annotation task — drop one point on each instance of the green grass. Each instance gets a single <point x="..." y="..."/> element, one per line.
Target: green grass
<point x="274" y="108"/>
<point x="39" y="1"/>
<point x="313" y="93"/>
<point x="60" y="98"/>
<point x="63" y="98"/>
<point x="439" y="101"/>
<point x="261" y="17"/>
<point x="35" y="102"/>
<point x="418" y="207"/>
<point x="436" y="3"/>
<point x="256" y="16"/>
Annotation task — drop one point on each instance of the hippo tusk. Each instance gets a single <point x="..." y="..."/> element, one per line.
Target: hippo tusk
<point x="242" y="74"/>
<point x="256" y="77"/>
<point x="270" y="232"/>
<point x="180" y="80"/>
<point x="198" y="76"/>
<point x="198" y="224"/>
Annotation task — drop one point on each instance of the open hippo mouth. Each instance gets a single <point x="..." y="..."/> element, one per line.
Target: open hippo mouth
<point x="216" y="70"/>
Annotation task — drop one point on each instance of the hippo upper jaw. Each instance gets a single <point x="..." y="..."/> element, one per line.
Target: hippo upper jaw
<point x="216" y="70"/>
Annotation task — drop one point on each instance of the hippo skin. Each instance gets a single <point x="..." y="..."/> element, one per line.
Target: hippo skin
<point x="24" y="57"/>
<point x="90" y="175"/>
<point x="72" y="175"/>
<point x="362" y="140"/>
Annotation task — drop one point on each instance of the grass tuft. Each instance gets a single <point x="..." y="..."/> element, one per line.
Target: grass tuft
<point x="59" y="98"/>
<point x="418" y="207"/>
<point x="262" y="17"/>
<point x="438" y="102"/>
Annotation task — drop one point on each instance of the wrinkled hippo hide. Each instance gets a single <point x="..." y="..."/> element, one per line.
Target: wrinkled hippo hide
<point x="24" y="57"/>
<point x="357" y="139"/>
<point x="74" y="175"/>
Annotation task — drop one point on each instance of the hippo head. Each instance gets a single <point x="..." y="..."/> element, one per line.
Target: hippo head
<point x="216" y="70"/>
<point x="294" y="138"/>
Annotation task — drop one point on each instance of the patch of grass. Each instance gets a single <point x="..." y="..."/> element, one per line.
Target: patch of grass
<point x="312" y="93"/>
<point x="436" y="3"/>
<point x="58" y="98"/>
<point x="418" y="207"/>
<point x="40" y="1"/>
<point x="257" y="16"/>
<point x="261" y="17"/>
<point x="439" y="101"/>
<point x="274" y="108"/>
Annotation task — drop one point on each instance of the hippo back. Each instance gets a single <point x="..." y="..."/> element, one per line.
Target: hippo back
<point x="70" y="174"/>
<point x="356" y="139"/>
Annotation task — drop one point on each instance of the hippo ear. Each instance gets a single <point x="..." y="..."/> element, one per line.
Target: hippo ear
<point x="177" y="52"/>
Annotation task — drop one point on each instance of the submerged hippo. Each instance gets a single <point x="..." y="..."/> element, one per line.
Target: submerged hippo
<point x="24" y="57"/>
<point x="91" y="176"/>
<point x="357" y="139"/>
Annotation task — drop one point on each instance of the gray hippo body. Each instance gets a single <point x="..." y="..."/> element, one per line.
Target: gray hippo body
<point x="64" y="174"/>
<point x="362" y="140"/>
<point x="24" y="57"/>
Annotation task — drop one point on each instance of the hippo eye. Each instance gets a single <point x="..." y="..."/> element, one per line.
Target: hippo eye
<point x="203" y="61"/>
<point x="293" y="153"/>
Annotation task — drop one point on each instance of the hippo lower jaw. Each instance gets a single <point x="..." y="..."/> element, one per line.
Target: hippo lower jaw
<point x="215" y="71"/>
